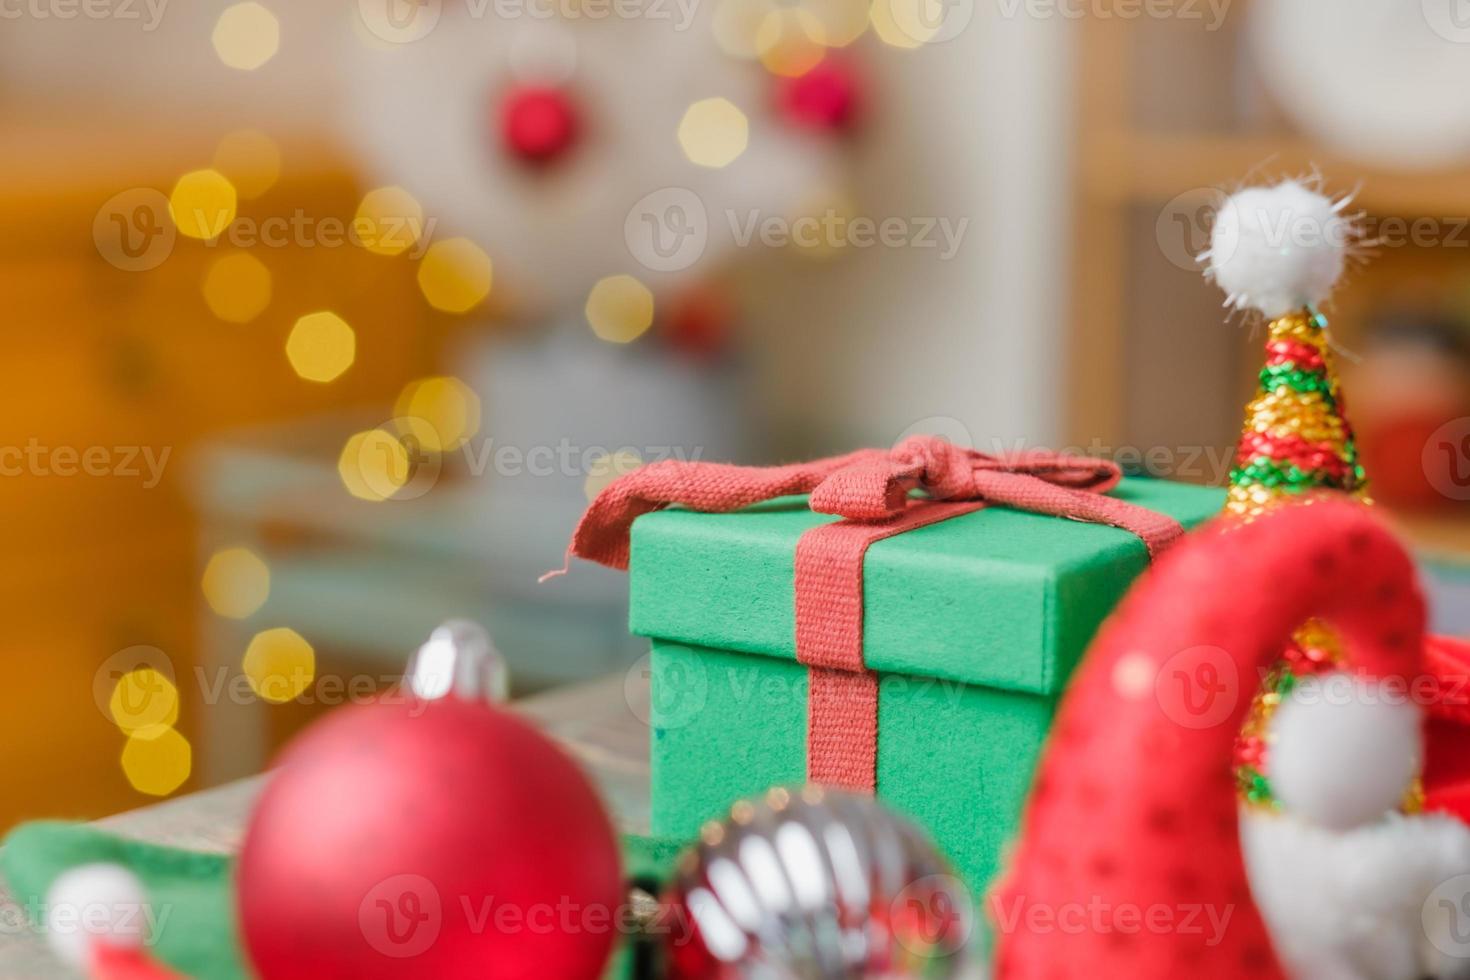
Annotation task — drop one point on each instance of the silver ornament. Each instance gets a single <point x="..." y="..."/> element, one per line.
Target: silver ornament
<point x="816" y="884"/>
<point x="458" y="660"/>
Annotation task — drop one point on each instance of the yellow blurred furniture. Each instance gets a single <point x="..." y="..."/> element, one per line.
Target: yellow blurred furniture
<point x="115" y="362"/>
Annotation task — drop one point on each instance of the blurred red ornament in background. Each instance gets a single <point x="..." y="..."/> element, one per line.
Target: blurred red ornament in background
<point x="444" y="839"/>
<point x="697" y="320"/>
<point x="538" y="124"/>
<point x="829" y="97"/>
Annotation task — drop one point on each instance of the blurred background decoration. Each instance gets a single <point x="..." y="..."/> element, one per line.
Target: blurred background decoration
<point x="326" y="318"/>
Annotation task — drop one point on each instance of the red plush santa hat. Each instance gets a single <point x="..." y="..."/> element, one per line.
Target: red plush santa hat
<point x="1130" y="862"/>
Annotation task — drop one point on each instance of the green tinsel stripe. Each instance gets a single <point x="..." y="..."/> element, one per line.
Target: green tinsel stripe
<point x="1307" y="382"/>
<point x="1254" y="787"/>
<point x="1266" y="472"/>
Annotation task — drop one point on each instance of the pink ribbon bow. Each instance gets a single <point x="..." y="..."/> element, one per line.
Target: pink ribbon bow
<point x="871" y="485"/>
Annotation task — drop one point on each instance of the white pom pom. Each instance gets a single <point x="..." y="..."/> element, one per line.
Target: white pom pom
<point x="1278" y="249"/>
<point x="1345" y="750"/>
<point x="95" y="903"/>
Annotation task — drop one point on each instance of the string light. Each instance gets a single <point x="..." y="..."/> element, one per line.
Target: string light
<point x="236" y="582"/>
<point x="389" y="221"/>
<point x="143" y="699"/>
<point x="237" y="287"/>
<point x="456" y="275"/>
<point x="246" y="36"/>
<point x="321" y="346"/>
<point x="203" y="204"/>
<point x="157" y="760"/>
<point x="374" y="465"/>
<point x="619" y="309"/>
<point x="713" y="132"/>
<point x="787" y="40"/>
<point x="279" y="664"/>
<point x="440" y="414"/>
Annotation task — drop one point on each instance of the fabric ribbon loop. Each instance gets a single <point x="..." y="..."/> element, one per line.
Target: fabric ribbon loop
<point x="871" y="485"/>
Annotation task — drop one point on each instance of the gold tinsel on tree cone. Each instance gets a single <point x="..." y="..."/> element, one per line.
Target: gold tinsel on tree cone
<point x="1296" y="442"/>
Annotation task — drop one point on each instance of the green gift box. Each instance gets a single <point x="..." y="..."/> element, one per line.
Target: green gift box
<point x="972" y="626"/>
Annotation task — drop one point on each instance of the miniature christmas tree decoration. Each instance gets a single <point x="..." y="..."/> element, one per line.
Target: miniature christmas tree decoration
<point x="1277" y="252"/>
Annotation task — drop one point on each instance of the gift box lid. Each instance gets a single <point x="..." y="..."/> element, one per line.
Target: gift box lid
<point x="998" y="597"/>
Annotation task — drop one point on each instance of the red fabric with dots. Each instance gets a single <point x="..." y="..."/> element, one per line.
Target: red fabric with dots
<point x="1130" y="843"/>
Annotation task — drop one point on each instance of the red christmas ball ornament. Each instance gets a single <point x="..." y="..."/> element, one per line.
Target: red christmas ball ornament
<point x="538" y="124"/>
<point x="406" y="838"/>
<point x="828" y="97"/>
<point x="697" y="321"/>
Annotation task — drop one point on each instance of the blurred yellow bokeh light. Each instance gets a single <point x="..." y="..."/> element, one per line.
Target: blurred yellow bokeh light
<point x="279" y="664"/>
<point x="619" y="309"/>
<point x="455" y="275"/>
<point x="236" y="582"/>
<point x="388" y="221"/>
<point x="605" y="469"/>
<point x="250" y="159"/>
<point x="246" y="36"/>
<point x="441" y="414"/>
<point x="203" y="204"/>
<point x="788" y="42"/>
<point x="237" y="287"/>
<point x="713" y="132"/>
<point x="907" y="23"/>
<point x="142" y="699"/>
<point x="842" y="21"/>
<point x="321" y="346"/>
<point x="374" y="465"/>
<point x="737" y="24"/>
<point x="157" y="760"/>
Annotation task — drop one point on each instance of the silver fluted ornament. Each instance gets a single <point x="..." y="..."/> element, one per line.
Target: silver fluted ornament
<point x="458" y="660"/>
<point x="815" y="884"/>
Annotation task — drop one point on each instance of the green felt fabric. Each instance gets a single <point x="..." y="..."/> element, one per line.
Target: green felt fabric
<point x="1001" y="598"/>
<point x="192" y="895"/>
<point x="956" y="758"/>
<point x="189" y="891"/>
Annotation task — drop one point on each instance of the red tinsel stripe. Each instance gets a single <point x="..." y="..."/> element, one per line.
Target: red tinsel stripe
<point x="1292" y="450"/>
<point x="1304" y="356"/>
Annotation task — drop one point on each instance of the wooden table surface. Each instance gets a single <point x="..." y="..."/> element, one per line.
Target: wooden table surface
<point x="601" y="723"/>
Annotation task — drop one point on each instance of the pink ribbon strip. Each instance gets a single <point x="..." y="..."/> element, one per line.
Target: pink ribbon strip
<point x="871" y="489"/>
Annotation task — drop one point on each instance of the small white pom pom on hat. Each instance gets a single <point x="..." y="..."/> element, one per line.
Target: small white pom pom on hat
<point x="1344" y="750"/>
<point x="1278" y="249"/>
<point x="97" y="921"/>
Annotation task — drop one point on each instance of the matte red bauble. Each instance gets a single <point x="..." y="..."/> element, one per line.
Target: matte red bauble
<point x="828" y="97"/>
<point x="538" y="124"/>
<point x="444" y="839"/>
